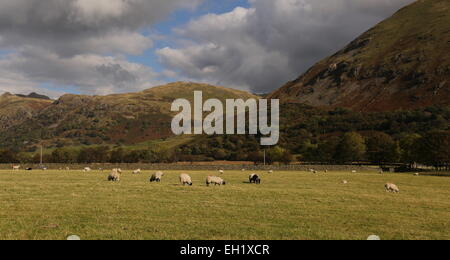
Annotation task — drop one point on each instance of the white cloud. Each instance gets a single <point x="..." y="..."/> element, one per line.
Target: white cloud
<point x="89" y="73"/>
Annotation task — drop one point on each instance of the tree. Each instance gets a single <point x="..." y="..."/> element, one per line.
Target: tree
<point x="275" y="154"/>
<point x="434" y="149"/>
<point x="324" y="152"/>
<point x="8" y="156"/>
<point x="351" y="148"/>
<point x="256" y="157"/>
<point x="117" y="155"/>
<point x="221" y="154"/>
<point x="408" y="144"/>
<point x="382" y="149"/>
<point x="133" y="157"/>
<point x="62" y="155"/>
<point x="287" y="157"/>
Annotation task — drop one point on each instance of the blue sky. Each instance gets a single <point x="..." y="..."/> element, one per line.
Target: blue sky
<point x="178" y="19"/>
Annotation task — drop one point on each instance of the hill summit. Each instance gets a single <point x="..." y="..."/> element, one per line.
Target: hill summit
<point x="402" y="63"/>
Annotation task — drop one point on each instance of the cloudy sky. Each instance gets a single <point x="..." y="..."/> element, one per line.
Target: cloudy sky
<point x="112" y="46"/>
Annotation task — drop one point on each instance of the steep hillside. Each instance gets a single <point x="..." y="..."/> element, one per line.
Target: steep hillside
<point x="402" y="63"/>
<point x="115" y="119"/>
<point x="15" y="110"/>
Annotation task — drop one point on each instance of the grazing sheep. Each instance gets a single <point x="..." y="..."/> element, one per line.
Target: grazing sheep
<point x="390" y="187"/>
<point x="138" y="171"/>
<point x="354" y="172"/>
<point x="344" y="182"/>
<point x="271" y="171"/>
<point x="16" y="167"/>
<point x="156" y="177"/>
<point x="185" y="179"/>
<point x="29" y="169"/>
<point x="115" y="175"/>
<point x="214" y="180"/>
<point x="87" y="169"/>
<point x="243" y="170"/>
<point x="254" y="178"/>
<point x="416" y="174"/>
<point x="381" y="172"/>
<point x="67" y="169"/>
<point x="326" y="171"/>
<point x="221" y="171"/>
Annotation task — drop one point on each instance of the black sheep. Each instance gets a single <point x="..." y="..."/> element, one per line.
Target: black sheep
<point x="255" y="179"/>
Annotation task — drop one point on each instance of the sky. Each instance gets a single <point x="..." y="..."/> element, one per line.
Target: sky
<point x="102" y="47"/>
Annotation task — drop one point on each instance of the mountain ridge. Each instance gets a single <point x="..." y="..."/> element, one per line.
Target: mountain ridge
<point x="401" y="63"/>
<point x="128" y="118"/>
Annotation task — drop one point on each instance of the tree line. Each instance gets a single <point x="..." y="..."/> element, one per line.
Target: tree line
<point x="430" y="149"/>
<point x="88" y="155"/>
<point x="378" y="148"/>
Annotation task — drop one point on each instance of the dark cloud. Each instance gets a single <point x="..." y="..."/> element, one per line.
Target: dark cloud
<point x="71" y="27"/>
<point x="78" y="43"/>
<point x="264" y="46"/>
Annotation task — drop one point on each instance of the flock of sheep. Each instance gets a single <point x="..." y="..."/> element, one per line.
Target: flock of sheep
<point x="185" y="179"/>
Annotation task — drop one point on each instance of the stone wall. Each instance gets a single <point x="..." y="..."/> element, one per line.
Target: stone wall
<point x="181" y="167"/>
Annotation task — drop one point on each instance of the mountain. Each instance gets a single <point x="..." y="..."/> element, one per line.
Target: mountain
<point x="34" y="95"/>
<point x="15" y="110"/>
<point x="403" y="63"/>
<point x="126" y="119"/>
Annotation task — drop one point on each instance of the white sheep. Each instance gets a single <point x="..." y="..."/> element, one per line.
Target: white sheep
<point x="115" y="175"/>
<point x="185" y="179"/>
<point x="344" y="182"/>
<point x="390" y="187"/>
<point x="214" y="180"/>
<point x="16" y="167"/>
<point x="138" y="171"/>
<point x="87" y="169"/>
<point x="416" y="174"/>
<point x="354" y="172"/>
<point x="157" y="176"/>
<point x="221" y="171"/>
<point x="270" y="172"/>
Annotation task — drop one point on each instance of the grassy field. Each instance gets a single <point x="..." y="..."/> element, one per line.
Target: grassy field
<point x="287" y="205"/>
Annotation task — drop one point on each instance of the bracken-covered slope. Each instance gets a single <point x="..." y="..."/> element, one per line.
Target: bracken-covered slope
<point x="114" y="119"/>
<point x="402" y="63"/>
<point x="15" y="110"/>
